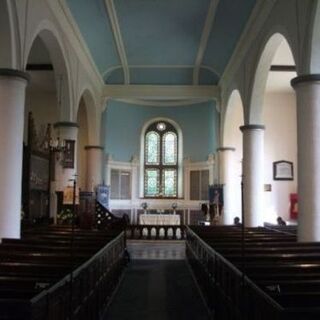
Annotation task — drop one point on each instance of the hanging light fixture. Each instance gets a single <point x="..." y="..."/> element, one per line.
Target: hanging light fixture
<point x="56" y="145"/>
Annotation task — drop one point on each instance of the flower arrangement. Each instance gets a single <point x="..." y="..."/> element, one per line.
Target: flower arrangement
<point x="65" y="216"/>
<point x="144" y="205"/>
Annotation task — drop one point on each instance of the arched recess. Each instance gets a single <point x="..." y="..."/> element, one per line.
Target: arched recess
<point x="43" y="99"/>
<point x="58" y="57"/>
<point x="8" y="48"/>
<point x="180" y="153"/>
<point x="42" y="94"/>
<point x="280" y="137"/>
<point x="82" y="120"/>
<point x="232" y="137"/>
<point x="254" y="112"/>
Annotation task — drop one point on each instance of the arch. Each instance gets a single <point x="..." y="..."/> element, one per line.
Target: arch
<point x="254" y="112"/>
<point x="232" y="137"/>
<point x="8" y="49"/>
<point x="180" y="153"/>
<point x="92" y="115"/>
<point x="50" y="36"/>
<point x="82" y="142"/>
<point x="234" y="111"/>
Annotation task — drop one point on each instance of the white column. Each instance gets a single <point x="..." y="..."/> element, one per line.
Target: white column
<point x="227" y="178"/>
<point x="66" y="131"/>
<point x="308" y="117"/>
<point x="12" y="99"/>
<point x="252" y="171"/>
<point x="94" y="166"/>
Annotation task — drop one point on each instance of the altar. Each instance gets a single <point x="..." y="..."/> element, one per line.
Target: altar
<point x="159" y="219"/>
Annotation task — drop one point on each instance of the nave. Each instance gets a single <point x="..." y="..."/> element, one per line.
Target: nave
<point x="158" y="284"/>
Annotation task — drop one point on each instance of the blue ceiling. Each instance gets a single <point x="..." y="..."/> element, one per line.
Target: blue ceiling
<point x="161" y="38"/>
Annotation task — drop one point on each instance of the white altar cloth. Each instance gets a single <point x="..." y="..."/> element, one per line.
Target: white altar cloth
<point x="159" y="219"/>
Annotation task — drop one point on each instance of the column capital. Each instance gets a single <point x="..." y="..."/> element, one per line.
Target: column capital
<point x="66" y="124"/>
<point x="305" y="78"/>
<point x="93" y="147"/>
<point x="252" y="127"/>
<point x="226" y="149"/>
<point x="14" y="74"/>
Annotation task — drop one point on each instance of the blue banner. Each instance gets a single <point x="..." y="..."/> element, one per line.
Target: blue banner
<point x="103" y="195"/>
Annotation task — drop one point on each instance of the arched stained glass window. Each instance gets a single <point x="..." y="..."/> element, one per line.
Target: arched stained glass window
<point x="152" y="148"/>
<point x="169" y="148"/>
<point x="161" y="161"/>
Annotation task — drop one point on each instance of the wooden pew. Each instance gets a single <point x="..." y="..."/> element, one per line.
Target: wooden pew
<point x="282" y="276"/>
<point x="30" y="267"/>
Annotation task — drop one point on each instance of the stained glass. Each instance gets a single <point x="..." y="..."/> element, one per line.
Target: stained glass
<point x="169" y="148"/>
<point x="152" y="182"/>
<point x="152" y="147"/>
<point x="161" y="126"/>
<point x="169" y="183"/>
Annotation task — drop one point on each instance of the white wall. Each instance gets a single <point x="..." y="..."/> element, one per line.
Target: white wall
<point x="279" y="117"/>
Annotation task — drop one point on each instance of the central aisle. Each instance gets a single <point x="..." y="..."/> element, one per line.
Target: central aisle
<point x="157" y="289"/>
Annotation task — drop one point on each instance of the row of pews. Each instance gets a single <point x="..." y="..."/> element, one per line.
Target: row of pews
<point x="267" y="276"/>
<point x="59" y="273"/>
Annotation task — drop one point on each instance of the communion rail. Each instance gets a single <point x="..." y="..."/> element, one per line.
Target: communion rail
<point x="155" y="232"/>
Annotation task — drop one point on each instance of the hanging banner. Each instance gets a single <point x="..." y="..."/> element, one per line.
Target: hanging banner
<point x="103" y="195"/>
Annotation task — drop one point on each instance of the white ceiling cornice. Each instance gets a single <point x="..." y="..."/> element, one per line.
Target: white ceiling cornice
<point x="118" y="39"/>
<point x="204" y="38"/>
<point x="161" y="92"/>
<point x="160" y="103"/>
<point x="72" y="33"/>
<point x="259" y="15"/>
<point x="160" y="66"/>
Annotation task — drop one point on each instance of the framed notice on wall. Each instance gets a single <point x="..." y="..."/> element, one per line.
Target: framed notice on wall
<point x="282" y="170"/>
<point x="68" y="158"/>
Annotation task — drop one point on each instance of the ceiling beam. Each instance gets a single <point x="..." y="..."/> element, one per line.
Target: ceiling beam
<point x="118" y="39"/>
<point x="204" y="38"/>
<point x="161" y="92"/>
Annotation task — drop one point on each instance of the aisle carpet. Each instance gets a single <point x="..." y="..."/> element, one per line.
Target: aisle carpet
<point x="157" y="290"/>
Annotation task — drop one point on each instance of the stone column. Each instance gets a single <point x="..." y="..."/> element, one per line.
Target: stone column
<point x="66" y="131"/>
<point x="94" y="166"/>
<point x="252" y="171"/>
<point x="308" y="117"/>
<point x="12" y="100"/>
<point x="227" y="178"/>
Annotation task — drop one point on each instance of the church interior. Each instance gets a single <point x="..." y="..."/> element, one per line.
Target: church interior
<point x="160" y="159"/>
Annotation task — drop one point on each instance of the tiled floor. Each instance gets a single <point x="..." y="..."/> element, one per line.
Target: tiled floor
<point x="156" y="250"/>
